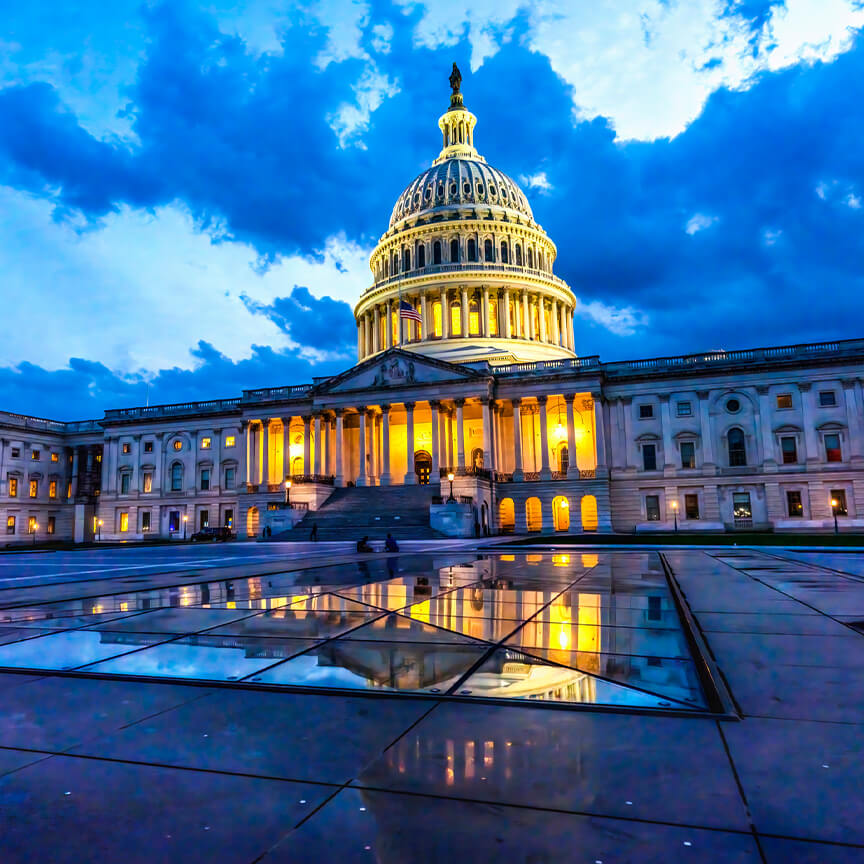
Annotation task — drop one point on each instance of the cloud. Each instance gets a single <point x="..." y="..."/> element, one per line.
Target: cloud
<point x="537" y="181"/>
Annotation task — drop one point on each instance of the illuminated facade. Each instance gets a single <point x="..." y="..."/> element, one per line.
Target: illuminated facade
<point x="487" y="387"/>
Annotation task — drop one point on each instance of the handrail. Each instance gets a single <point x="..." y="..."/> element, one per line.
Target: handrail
<point x="473" y="267"/>
<point x="208" y="407"/>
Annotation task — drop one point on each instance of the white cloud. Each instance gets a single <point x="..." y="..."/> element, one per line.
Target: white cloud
<point x="351" y="119"/>
<point x="622" y="321"/>
<point x="538" y="181"/>
<point x="699" y="222"/>
<point x="770" y="236"/>
<point x="853" y="201"/>
<point x="382" y="36"/>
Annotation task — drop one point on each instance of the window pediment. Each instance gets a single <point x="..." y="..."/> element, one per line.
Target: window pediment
<point x="686" y="435"/>
<point x="787" y="428"/>
<point x="831" y="426"/>
<point x="648" y="437"/>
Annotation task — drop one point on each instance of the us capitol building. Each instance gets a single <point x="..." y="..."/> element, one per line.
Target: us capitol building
<point x="467" y="367"/>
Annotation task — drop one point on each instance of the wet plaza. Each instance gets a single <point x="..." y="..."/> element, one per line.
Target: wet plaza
<point x="490" y="704"/>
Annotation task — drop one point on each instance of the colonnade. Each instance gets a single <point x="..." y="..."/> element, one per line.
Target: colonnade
<point x="452" y="313"/>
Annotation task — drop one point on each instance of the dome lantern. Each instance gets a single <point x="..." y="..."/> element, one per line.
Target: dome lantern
<point x="457" y="126"/>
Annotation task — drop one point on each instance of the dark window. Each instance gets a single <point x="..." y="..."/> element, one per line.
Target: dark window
<point x="229" y="478"/>
<point x="406" y="260"/>
<point x="789" y="449"/>
<point x="733" y="406"/>
<point x="488" y="252"/>
<point x="784" y="400"/>
<point x="436" y="252"/>
<point x="794" y="505"/>
<point x="421" y="256"/>
<point x="176" y="477"/>
<point x="683" y="409"/>
<point x="838" y="502"/>
<point x="655" y="608"/>
<point x="472" y="250"/>
<point x="229" y="519"/>
<point x="127" y="448"/>
<point x="204" y="519"/>
<point x="505" y="254"/>
<point x="531" y="258"/>
<point x="454" y="250"/>
<point x="688" y="454"/>
<point x="741" y="505"/>
<point x="52" y="524"/>
<point x="737" y="449"/>
<point x="35" y="455"/>
<point x="652" y="508"/>
<point x="518" y="255"/>
<point x="145" y="520"/>
<point x="646" y="412"/>
<point x="691" y="506"/>
<point x="564" y="459"/>
<point x="125" y="480"/>
<point x="205" y="479"/>
<point x="148" y="446"/>
<point x="827" y="398"/>
<point x="649" y="457"/>
<point x="16" y="452"/>
<point x="174" y="521"/>
<point x="832" y="448"/>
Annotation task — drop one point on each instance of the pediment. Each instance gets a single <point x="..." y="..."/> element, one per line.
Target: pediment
<point x="397" y="368"/>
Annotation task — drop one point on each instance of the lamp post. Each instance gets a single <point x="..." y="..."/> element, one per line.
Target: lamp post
<point x="36" y="528"/>
<point x="450" y="478"/>
<point x="185" y="520"/>
<point x="287" y="493"/>
<point x="675" y="514"/>
<point x="98" y="530"/>
<point x="834" y="504"/>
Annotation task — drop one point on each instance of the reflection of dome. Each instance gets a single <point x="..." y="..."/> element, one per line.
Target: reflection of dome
<point x="461" y="183"/>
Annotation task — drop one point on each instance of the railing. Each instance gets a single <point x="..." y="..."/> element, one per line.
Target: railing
<point x="541" y="367"/>
<point x="534" y="476"/>
<point x="323" y="479"/>
<point x="271" y="393"/>
<point x="743" y="523"/>
<point x="469" y="267"/>
<point x="213" y="406"/>
<point x="25" y="421"/>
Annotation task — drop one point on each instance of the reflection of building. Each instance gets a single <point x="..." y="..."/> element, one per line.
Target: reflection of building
<point x="488" y="387"/>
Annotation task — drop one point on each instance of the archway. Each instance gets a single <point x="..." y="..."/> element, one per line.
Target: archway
<point x="589" y="513"/>
<point x="506" y="516"/>
<point x="533" y="514"/>
<point x="484" y="519"/>
<point x="561" y="513"/>
<point x="297" y="466"/>
<point x="422" y="467"/>
<point x="252" y="521"/>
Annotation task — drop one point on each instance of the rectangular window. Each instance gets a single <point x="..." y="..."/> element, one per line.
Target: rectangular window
<point x="683" y="409"/>
<point x="646" y="412"/>
<point x="205" y="479"/>
<point x="655" y="608"/>
<point x="229" y="518"/>
<point x="784" y="401"/>
<point x="230" y="441"/>
<point x="10" y="524"/>
<point x="832" y="448"/>
<point x="16" y="452"/>
<point x="455" y="320"/>
<point x="789" y="449"/>
<point x="205" y="443"/>
<point x="649" y="457"/>
<point x="55" y="457"/>
<point x="52" y="524"/>
<point x="145" y="521"/>
<point x="127" y="447"/>
<point x="794" y="505"/>
<point x="204" y="519"/>
<point x="32" y="525"/>
<point x="688" y="454"/>
<point x="34" y="488"/>
<point x="13" y="487"/>
<point x="691" y="506"/>
<point x="838" y="502"/>
<point x="124" y="521"/>
<point x="125" y="480"/>
<point x="229" y="478"/>
<point x="741" y="505"/>
<point x="827" y="398"/>
<point x="174" y="521"/>
<point x="34" y="455"/>
<point x="148" y="446"/>
<point x="652" y="508"/>
<point x="148" y="481"/>
<point x="52" y="489"/>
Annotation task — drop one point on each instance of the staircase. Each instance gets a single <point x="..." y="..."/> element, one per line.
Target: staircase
<point x="354" y="512"/>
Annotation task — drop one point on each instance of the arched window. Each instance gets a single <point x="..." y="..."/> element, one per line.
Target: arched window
<point x="455" y="319"/>
<point x="473" y="318"/>
<point x="177" y="477"/>
<point x="561" y="513"/>
<point x="406" y="260"/>
<point x="493" y="316"/>
<point x="436" y="252"/>
<point x="421" y="256"/>
<point x="506" y="516"/>
<point x="454" y="251"/>
<point x="518" y="255"/>
<point x="531" y="258"/>
<point x="472" y="249"/>
<point x="488" y="252"/>
<point x="395" y="263"/>
<point x="563" y="458"/>
<point x="386" y="269"/>
<point x="737" y="448"/>
<point x="533" y="515"/>
<point x="589" y="513"/>
<point x="505" y="254"/>
<point x="297" y="466"/>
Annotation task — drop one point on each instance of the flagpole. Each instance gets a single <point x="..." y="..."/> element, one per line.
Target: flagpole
<point x="399" y="317"/>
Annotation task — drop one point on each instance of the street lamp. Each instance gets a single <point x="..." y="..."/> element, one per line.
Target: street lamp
<point x="98" y="530"/>
<point x="36" y="528"/>
<point x="675" y="514"/>
<point x="185" y="520"/>
<point x="450" y="478"/>
<point x="834" y="504"/>
<point x="287" y="493"/>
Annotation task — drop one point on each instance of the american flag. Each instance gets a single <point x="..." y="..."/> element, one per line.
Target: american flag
<point x="406" y="310"/>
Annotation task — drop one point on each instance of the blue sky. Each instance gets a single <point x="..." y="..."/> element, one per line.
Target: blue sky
<point x="189" y="192"/>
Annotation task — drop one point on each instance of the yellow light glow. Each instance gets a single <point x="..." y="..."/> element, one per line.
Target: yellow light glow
<point x="450" y="477"/>
<point x="564" y="504"/>
<point x="588" y="638"/>
<point x="230" y="605"/>
<point x="560" y="560"/>
<point x="421" y="611"/>
<point x="674" y="505"/>
<point x="298" y="601"/>
<point x="96" y="610"/>
<point x="508" y="557"/>
<point x="124" y="607"/>
<point x="590" y="559"/>
<point x="533" y="559"/>
<point x="833" y="502"/>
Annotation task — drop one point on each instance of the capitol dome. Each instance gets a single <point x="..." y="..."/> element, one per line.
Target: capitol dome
<point x="470" y="266"/>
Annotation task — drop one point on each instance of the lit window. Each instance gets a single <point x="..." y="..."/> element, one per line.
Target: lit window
<point x="688" y="454"/>
<point x="784" y="401"/>
<point x="455" y="319"/>
<point x="177" y="445"/>
<point x="34" y="455"/>
<point x="741" y="508"/>
<point x="34" y="488"/>
<point x="789" y="449"/>
<point x="229" y="518"/>
<point x="493" y="317"/>
<point x="125" y="480"/>
<point x="691" y="506"/>
<point x="55" y="457"/>
<point x="145" y="521"/>
<point x="127" y="447"/>
<point x="437" y="323"/>
<point x="13" y="487"/>
<point x="68" y="490"/>
<point x="652" y="508"/>
<point x="474" y="318"/>
<point x="649" y="457"/>
<point x="646" y="412"/>
<point x="148" y="446"/>
<point x="827" y="398"/>
<point x="52" y="524"/>
<point x="124" y="521"/>
<point x="838" y="502"/>
<point x="205" y="443"/>
<point x="52" y="489"/>
<point x="10" y="524"/>
<point x="230" y="441"/>
<point x="683" y="409"/>
<point x="148" y="481"/>
<point x="204" y="519"/>
<point x="794" y="505"/>
<point x="32" y="525"/>
<point x="832" y="448"/>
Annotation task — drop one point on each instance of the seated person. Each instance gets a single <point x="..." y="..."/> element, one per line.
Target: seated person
<point x="363" y="545"/>
<point x="390" y="543"/>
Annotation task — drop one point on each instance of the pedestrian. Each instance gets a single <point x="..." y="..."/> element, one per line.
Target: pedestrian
<point x="390" y="543"/>
<point x="363" y="545"/>
<point x="313" y="534"/>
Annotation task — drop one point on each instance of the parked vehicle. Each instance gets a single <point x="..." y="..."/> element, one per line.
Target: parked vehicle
<point x="207" y="535"/>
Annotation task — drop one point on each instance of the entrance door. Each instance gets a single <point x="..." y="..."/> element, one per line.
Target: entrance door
<point x="422" y="467"/>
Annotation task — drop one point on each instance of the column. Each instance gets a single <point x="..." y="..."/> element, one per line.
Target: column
<point x="286" y="447"/>
<point x="465" y="327"/>
<point x="424" y="317"/>
<point x="572" y="464"/>
<point x="307" y="446"/>
<point x="545" y="472"/>
<point x="340" y="476"/>
<point x="265" y="452"/>
<point x="359" y="340"/>
<point x="448" y="434"/>
<point x="386" y="476"/>
<point x="666" y="431"/>
<point x="517" y="439"/>
<point x="486" y="328"/>
<point x="74" y="478"/>
<point x="362" y="472"/>
<point x="571" y="343"/>
<point x="460" y="434"/>
<point x="410" y="476"/>
<point x="853" y="420"/>
<point x="556" y="324"/>
<point x="506" y="328"/>
<point x="389" y="327"/>
<point x="600" y="434"/>
<point x="707" y="437"/>
<point x="488" y="461"/>
<point x="526" y="317"/>
<point x="541" y="309"/>
<point x="374" y="454"/>
<point x="811" y="440"/>
<point x="767" y="437"/>
<point x="316" y="466"/>
<point x="376" y="331"/>
<point x="562" y="324"/>
<point x="445" y="315"/>
<point x="436" y="442"/>
<point x="158" y="456"/>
